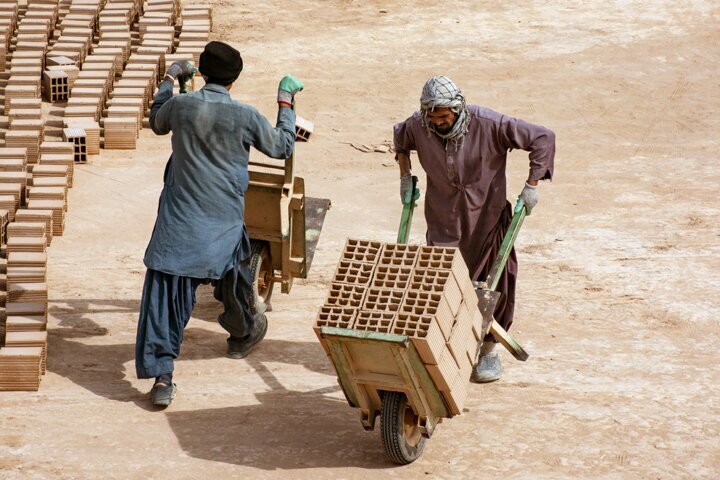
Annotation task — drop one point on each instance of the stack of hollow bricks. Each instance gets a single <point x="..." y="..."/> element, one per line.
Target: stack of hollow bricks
<point x="419" y="291"/>
<point x="105" y="59"/>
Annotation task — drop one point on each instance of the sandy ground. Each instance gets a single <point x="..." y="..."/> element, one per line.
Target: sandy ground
<point x="619" y="262"/>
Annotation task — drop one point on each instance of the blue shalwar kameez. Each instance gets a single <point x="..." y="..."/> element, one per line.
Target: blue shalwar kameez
<point x="200" y="235"/>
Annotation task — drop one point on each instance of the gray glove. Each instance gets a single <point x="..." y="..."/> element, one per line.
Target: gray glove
<point x="181" y="68"/>
<point x="529" y="196"/>
<point x="405" y="185"/>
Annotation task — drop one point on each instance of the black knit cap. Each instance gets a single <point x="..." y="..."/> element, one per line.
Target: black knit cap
<point x="220" y="63"/>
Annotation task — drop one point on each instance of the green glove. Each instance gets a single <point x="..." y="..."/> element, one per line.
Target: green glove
<point x="287" y="89"/>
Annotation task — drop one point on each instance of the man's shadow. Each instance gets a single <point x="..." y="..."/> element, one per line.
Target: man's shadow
<point x="101" y="368"/>
<point x="285" y="430"/>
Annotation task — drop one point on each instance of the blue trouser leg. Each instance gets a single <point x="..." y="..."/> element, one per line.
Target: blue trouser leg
<point x="165" y="309"/>
<point x="235" y="291"/>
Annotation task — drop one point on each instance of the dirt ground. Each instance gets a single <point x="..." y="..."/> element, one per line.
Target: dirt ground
<point x="618" y="264"/>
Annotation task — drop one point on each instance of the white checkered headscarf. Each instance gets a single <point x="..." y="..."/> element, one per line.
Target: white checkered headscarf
<point x="441" y="92"/>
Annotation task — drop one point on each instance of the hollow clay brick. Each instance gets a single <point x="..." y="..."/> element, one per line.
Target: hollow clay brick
<point x="461" y="331"/>
<point x="471" y="348"/>
<point x="406" y="324"/>
<point x="477" y="321"/>
<point x="361" y="250"/>
<point x="445" y="373"/>
<point x="445" y="317"/>
<point x="356" y="273"/>
<point x="468" y="290"/>
<point x="392" y="277"/>
<point x="430" y="287"/>
<point x="443" y="258"/>
<point x="338" y="317"/>
<point x="382" y="299"/>
<point x="453" y="295"/>
<point x="426" y="279"/>
<point x="331" y="316"/>
<point x="399" y="255"/>
<point x="432" y="304"/>
<point x="374" y="321"/>
<point x="457" y="395"/>
<point x="424" y="333"/>
<point x="431" y="276"/>
<point x="345" y="295"/>
<point x="421" y="303"/>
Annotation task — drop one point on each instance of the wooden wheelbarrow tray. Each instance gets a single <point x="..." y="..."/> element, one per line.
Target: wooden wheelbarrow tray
<point x="284" y="225"/>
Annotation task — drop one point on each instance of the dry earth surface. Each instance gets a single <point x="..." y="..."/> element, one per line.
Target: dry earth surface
<point x="619" y="262"/>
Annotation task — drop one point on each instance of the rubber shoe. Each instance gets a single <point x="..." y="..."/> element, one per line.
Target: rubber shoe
<point x="487" y="369"/>
<point x="241" y="347"/>
<point x="162" y="394"/>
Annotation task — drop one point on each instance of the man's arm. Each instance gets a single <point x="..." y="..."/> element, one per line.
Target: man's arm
<point x="538" y="140"/>
<point x="404" y="142"/>
<point x="161" y="110"/>
<point x="277" y="142"/>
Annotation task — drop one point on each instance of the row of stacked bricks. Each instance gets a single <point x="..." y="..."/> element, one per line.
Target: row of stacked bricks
<point x="36" y="170"/>
<point x="112" y="82"/>
<point x="422" y="292"/>
<point x="106" y="59"/>
<point x="103" y="61"/>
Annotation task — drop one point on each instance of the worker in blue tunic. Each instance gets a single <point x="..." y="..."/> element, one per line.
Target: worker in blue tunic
<point x="200" y="234"/>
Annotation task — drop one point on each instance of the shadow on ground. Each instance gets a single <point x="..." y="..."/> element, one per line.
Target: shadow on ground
<point x="285" y="430"/>
<point x="101" y="367"/>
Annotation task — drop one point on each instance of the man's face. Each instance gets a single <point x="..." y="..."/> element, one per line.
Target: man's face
<point x="442" y="119"/>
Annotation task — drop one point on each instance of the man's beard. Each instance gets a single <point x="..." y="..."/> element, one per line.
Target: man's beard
<point x="443" y="128"/>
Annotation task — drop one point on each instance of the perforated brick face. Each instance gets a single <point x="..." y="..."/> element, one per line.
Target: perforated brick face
<point x="408" y="290"/>
<point x="362" y="251"/>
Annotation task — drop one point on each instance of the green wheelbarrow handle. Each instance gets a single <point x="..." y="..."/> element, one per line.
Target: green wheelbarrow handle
<point x="408" y="209"/>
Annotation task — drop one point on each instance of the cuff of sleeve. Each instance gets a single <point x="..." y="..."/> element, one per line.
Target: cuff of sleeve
<point x="541" y="174"/>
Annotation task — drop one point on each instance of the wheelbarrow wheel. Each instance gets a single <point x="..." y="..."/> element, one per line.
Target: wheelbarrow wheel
<point x="401" y="436"/>
<point x="262" y="273"/>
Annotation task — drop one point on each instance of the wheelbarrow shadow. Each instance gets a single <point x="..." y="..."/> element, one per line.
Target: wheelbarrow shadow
<point x="287" y="429"/>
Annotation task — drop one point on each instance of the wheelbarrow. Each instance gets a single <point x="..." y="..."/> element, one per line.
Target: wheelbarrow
<point x="284" y="226"/>
<point x="383" y="374"/>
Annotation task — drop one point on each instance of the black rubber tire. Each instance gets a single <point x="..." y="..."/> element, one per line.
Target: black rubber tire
<point x="392" y="417"/>
<point x="260" y="254"/>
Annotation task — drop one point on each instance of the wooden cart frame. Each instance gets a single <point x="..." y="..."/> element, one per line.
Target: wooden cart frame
<point x="276" y="213"/>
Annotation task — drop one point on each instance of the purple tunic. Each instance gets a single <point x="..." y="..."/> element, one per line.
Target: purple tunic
<point x="466" y="200"/>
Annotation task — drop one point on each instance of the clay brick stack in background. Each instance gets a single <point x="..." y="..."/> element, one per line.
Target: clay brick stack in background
<point x="97" y="65"/>
<point x="422" y="292"/>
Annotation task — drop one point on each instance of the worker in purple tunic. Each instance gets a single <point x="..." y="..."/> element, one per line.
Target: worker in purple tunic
<point x="463" y="150"/>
